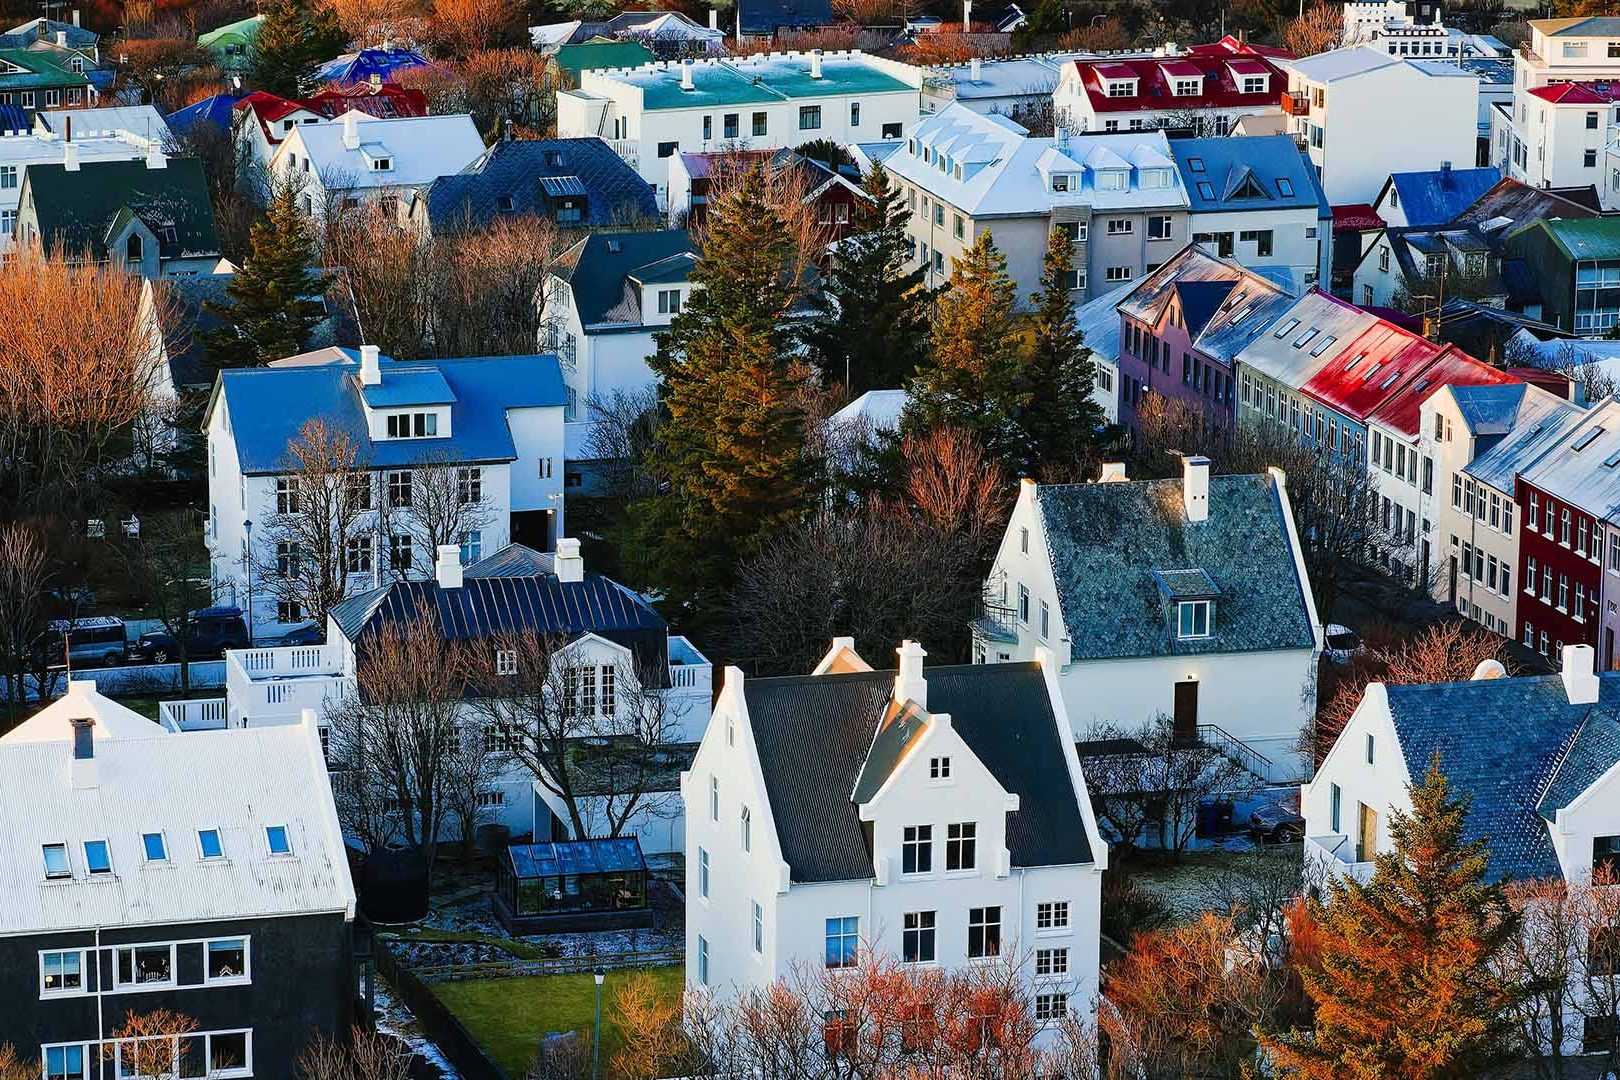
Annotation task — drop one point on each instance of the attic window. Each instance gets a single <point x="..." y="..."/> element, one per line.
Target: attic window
<point x="277" y="840"/>
<point x="382" y="164"/>
<point x="1586" y="439"/>
<point x="505" y="204"/>
<point x="1187" y="87"/>
<point x="209" y="844"/>
<point x="1060" y="182"/>
<point x="1193" y="618"/>
<point x="56" y="861"/>
<point x="1286" y="328"/>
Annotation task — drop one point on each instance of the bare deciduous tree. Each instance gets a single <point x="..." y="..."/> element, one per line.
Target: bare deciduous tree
<point x="363" y="1055"/>
<point x="447" y="503"/>
<point x="23" y="578"/>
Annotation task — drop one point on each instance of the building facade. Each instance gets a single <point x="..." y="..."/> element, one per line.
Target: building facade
<point x="1204" y="89"/>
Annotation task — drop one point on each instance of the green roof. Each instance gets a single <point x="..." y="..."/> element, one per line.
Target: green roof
<point x="78" y="210"/>
<point x="747" y="82"/>
<point x="40" y="71"/>
<point x="592" y="55"/>
<point x="1584" y="238"/>
<point x="242" y="29"/>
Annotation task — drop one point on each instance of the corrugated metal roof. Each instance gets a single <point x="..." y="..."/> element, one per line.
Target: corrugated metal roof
<point x="237" y="781"/>
<point x="1434" y="197"/>
<point x="1580" y="477"/>
<point x="1291" y="352"/>
<point x="1370" y="369"/>
<point x="1400" y="411"/>
<point x="1542" y="422"/>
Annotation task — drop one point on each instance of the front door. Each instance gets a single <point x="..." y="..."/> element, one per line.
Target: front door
<point x="1186" y="716"/>
<point x="1366" y="832"/>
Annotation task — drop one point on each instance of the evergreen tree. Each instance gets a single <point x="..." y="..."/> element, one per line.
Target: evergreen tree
<point x="730" y="450"/>
<point x="872" y="325"/>
<point x="270" y="315"/>
<point x="1404" y="984"/>
<point x="294" y="37"/>
<point x="1060" y="415"/>
<point x="972" y="378"/>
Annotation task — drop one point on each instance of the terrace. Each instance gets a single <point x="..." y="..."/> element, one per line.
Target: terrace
<point x="264" y="686"/>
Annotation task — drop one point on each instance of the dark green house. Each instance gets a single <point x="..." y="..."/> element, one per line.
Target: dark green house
<point x="1576" y="263"/>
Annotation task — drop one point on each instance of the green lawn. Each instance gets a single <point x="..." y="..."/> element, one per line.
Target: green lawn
<point x="508" y="1016"/>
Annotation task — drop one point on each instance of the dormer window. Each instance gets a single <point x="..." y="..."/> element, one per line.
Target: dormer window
<point x="1256" y="84"/>
<point x="422" y="425"/>
<point x="1113" y="180"/>
<point x="505" y="204"/>
<point x="1061" y="182"/>
<point x="1194" y="618"/>
<point x="1187" y="87"/>
<point x="669" y="301"/>
<point x="1155" y="178"/>
<point x="382" y="164"/>
<point x="1121" y="88"/>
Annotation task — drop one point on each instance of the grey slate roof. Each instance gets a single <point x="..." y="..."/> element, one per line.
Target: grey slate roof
<point x="769" y="16"/>
<point x="815" y="733"/>
<point x="1110" y="544"/>
<point x="520" y="170"/>
<point x="600" y="267"/>
<point x="1517" y="748"/>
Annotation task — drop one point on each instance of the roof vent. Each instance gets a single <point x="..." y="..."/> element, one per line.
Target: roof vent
<point x="614" y="247"/>
<point x="1488" y="669"/>
<point x="567" y="562"/>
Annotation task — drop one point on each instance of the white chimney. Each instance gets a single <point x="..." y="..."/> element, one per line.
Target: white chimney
<point x="156" y="159"/>
<point x="1195" y="487"/>
<point x="815" y="63"/>
<point x="714" y="18"/>
<point x="686" y="74"/>
<point x="567" y="562"/>
<point x="1113" y="472"/>
<point x="75" y="16"/>
<point x="974" y="69"/>
<point x="370" y="366"/>
<point x="61" y="39"/>
<point x="909" y="684"/>
<point x="70" y="157"/>
<point x="967" y="19"/>
<point x="448" y="569"/>
<point x="1580" y="674"/>
<point x="351" y="130"/>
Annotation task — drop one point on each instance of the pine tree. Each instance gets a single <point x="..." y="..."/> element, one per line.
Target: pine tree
<point x="972" y="377"/>
<point x="294" y="37"/>
<point x="1404" y="985"/>
<point x="873" y="319"/>
<point x="1060" y="415"/>
<point x="270" y="315"/>
<point x="730" y="450"/>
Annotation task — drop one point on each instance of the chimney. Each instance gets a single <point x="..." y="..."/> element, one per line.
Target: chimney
<point x="448" y="569"/>
<point x="156" y="159"/>
<point x="82" y="770"/>
<point x="815" y="63"/>
<point x="1445" y="175"/>
<point x="61" y="39"/>
<point x="967" y="19"/>
<point x="686" y="74"/>
<point x="351" y="130"/>
<point x="75" y="16"/>
<point x="714" y="18"/>
<point x="1580" y="674"/>
<point x="1113" y="472"/>
<point x="974" y="69"/>
<point x="370" y="367"/>
<point x="909" y="684"/>
<point x="1195" y="487"/>
<point x="70" y="157"/>
<point x="567" y="563"/>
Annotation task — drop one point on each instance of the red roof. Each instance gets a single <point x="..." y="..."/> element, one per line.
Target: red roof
<point x="699" y="166"/>
<point x="1231" y="46"/>
<point x="383" y="100"/>
<point x="1357" y="216"/>
<point x="1574" y="93"/>
<point x="1383" y="364"/>
<point x="1156" y="75"/>
<point x="1452" y="368"/>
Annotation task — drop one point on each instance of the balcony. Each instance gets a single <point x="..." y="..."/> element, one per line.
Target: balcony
<point x="688" y="668"/>
<point x="1296" y="103"/>
<point x="275" y="685"/>
<point x="628" y="149"/>
<point x="200" y="714"/>
<point x="1336" y="855"/>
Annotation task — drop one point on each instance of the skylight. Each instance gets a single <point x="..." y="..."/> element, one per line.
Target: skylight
<point x="1587" y="439"/>
<point x="209" y="844"/>
<point x="97" y="859"/>
<point x="156" y="849"/>
<point x="1299" y="342"/>
<point x="1389" y="382"/>
<point x="1286" y="328"/>
<point x="1612" y="460"/>
<point x="1285" y="188"/>
<point x="1244" y="314"/>
<point x="1195" y="164"/>
<point x="56" y="861"/>
<point x="1323" y="346"/>
<point x="276" y="837"/>
<point x="1370" y="371"/>
<point x="1351" y="366"/>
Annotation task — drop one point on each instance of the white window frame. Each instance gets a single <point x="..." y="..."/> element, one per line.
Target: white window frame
<point x="209" y="979"/>
<point x="120" y="986"/>
<point x="77" y="991"/>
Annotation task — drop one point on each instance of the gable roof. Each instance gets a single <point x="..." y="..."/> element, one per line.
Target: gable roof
<point x="1401" y="411"/>
<point x="215" y="110"/>
<point x="76" y="209"/>
<point x="1107" y="541"/>
<point x="190" y="297"/>
<point x="381" y="65"/>
<point x="241" y="30"/>
<point x="1345" y="63"/>
<point x="1001" y="711"/>
<point x="236" y="780"/>
<point x="1596" y="26"/>
<point x="1582" y="238"/>
<point x="600" y="269"/>
<point x="1572" y="468"/>
<point x="40" y="69"/>
<point x="268" y="406"/>
<point x="1543" y="421"/>
<point x="1259" y="172"/>
<point x="1435" y="196"/>
<point x="772" y="77"/>
<point x="1293" y="348"/>
<point x="615" y="194"/>
<point x="420" y="149"/>
<point x="1217" y="68"/>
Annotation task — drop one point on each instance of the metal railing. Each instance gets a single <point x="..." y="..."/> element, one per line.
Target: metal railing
<point x="1296" y="103"/>
<point x="1241" y="753"/>
<point x="200" y="714"/>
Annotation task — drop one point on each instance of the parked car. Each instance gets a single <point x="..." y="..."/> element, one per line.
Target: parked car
<point x="1278" y="820"/>
<point x="209" y="633"/>
<point x="96" y="641"/>
<point x="307" y="634"/>
<point x="1341" y="643"/>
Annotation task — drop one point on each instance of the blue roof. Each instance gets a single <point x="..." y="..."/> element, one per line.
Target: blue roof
<point x="570" y="857"/>
<point x="359" y="67"/>
<point x="1436" y="196"/>
<point x="521" y="176"/>
<point x="1491" y="409"/>
<point x="766" y="17"/>
<point x="268" y="406"/>
<point x="216" y="110"/>
<point x="14" y="118"/>
<point x="416" y="387"/>
<point x="1261" y="172"/>
<point x="1517" y="748"/>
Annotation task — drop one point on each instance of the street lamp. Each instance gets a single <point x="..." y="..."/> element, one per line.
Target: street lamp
<point x="247" y="559"/>
<point x="596" y="1033"/>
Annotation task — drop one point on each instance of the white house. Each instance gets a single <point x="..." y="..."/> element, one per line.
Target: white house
<point x="1559" y="136"/>
<point x="362" y="157"/>
<point x="1413" y="29"/>
<point x="1536" y="755"/>
<point x="498" y="421"/>
<point x="1185" y="597"/>
<point x="1364" y="114"/>
<point x="1205" y="89"/>
<point x="18" y="150"/>
<point x="938" y="816"/>
<point x="764" y="102"/>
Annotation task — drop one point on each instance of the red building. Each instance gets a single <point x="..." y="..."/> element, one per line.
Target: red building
<point x="694" y="179"/>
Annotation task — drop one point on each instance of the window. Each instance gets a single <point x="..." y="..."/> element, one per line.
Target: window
<point x="917" y="938"/>
<point x="917" y="849"/>
<point x="470" y="485"/>
<point x="939" y="768"/>
<point x="1121" y="226"/>
<point x="1117" y="273"/>
<point x="1369" y="749"/>
<point x="209" y="844"/>
<point x="759" y="928"/>
<point x="703" y="874"/>
<point x="144" y="965"/>
<point x="1051" y="963"/>
<point x="669" y="301"/>
<point x="667" y="149"/>
<point x="65" y="1062"/>
<point x="1335" y="798"/>
<point x="8" y="177"/>
<point x="1050" y="1007"/>
<point x="1023" y="605"/>
<point x="400" y="557"/>
<point x="854" y="114"/>
<point x="961" y="846"/>
<point x="957" y="225"/>
<point x="399" y="488"/>
<point x="289" y="611"/>
<point x="286" y="495"/>
<point x="156" y="850"/>
<point x="227" y="960"/>
<point x="809" y="117"/>
<point x="277" y="840"/>
<point x="703" y="960"/>
<point x="472" y="546"/>
<point x="1046" y="620"/>
<point x="1158" y="227"/>
<point x="97" y="859"/>
<point x="61" y="972"/>
<point x="1192" y="619"/>
<point x="843" y="941"/>
<point x="56" y="861"/>
<point x="287" y="558"/>
<point x="984" y="932"/>
<point x="747" y="829"/>
<point x="759" y="123"/>
<point x="1589" y="159"/>
<point x="730" y="125"/>
<point x="1052" y="915"/>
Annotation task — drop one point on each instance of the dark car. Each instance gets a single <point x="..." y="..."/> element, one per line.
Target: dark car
<point x="1278" y="820"/>
<point x="307" y="634"/>
<point x="209" y="633"/>
<point x="97" y="641"/>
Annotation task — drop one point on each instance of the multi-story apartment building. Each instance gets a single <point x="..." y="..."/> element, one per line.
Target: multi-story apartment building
<point x="491" y="425"/>
<point x="940" y="821"/>
<point x="1413" y="28"/>
<point x="1352" y="109"/>
<point x="650" y="113"/>
<point x="1204" y="89"/>
<point x="145" y="870"/>
<point x="1117" y="197"/>
<point x="1273" y="367"/>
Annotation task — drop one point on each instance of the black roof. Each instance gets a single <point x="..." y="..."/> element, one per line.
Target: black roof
<point x="77" y="209"/>
<point x="507" y="179"/>
<point x="769" y="16"/>
<point x="815" y="734"/>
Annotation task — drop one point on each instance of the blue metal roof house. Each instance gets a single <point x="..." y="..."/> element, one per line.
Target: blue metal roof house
<point x="369" y="66"/>
<point x="574" y="182"/>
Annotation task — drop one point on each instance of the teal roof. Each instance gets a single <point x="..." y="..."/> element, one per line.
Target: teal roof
<point x="240" y="30"/>
<point x="1584" y="238"/>
<point x="718" y="83"/>
<point x="39" y="71"/>
<point x="593" y="55"/>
